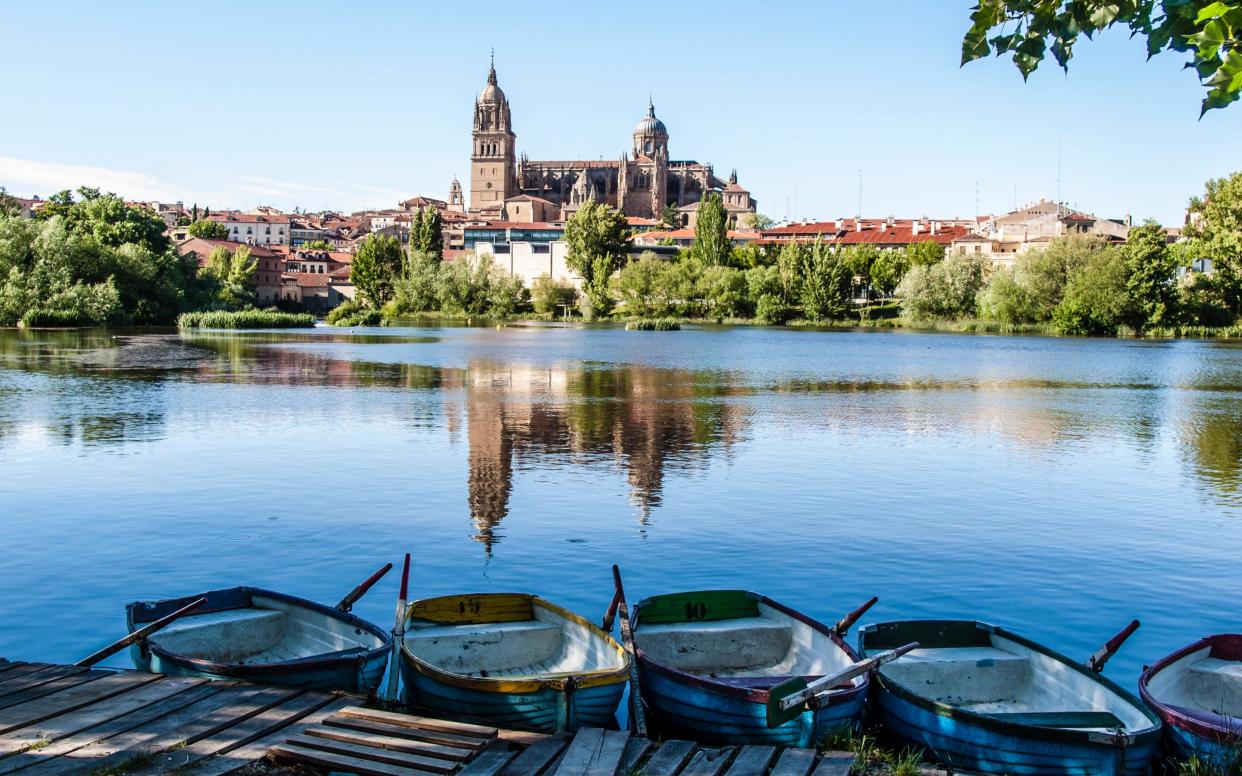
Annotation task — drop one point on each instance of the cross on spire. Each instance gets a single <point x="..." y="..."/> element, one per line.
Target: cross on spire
<point x="491" y="68"/>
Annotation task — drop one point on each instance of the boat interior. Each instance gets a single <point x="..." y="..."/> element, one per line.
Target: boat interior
<point x="544" y="645"/>
<point x="268" y="631"/>
<point x="1009" y="681"/>
<point x="1201" y="682"/>
<point x="752" y="651"/>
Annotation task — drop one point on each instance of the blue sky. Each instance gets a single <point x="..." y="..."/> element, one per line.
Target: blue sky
<point x="346" y="105"/>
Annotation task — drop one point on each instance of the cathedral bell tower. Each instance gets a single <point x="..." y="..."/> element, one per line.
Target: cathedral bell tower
<point x="493" y="156"/>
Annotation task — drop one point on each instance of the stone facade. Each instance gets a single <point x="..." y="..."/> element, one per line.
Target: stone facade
<point x="641" y="183"/>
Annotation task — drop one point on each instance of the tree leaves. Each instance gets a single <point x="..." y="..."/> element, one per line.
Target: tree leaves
<point x="1210" y="30"/>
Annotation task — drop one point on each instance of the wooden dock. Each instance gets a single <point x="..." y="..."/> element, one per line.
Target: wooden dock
<point x="57" y="719"/>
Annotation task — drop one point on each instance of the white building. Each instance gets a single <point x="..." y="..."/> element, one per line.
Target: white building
<point x="255" y="229"/>
<point x="529" y="260"/>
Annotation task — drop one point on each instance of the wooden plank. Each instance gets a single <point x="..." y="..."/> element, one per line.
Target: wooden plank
<point x="420" y="723"/>
<point x="794" y="762"/>
<point x="337" y="762"/>
<point x="252" y="728"/>
<point x="49" y="687"/>
<point x="835" y="764"/>
<point x="391" y="742"/>
<point x="401" y="731"/>
<point x="188" y="724"/>
<point x="22" y="669"/>
<point x="578" y="756"/>
<point x="608" y="756"/>
<point x="521" y="737"/>
<point x="490" y="761"/>
<point x="537" y="757"/>
<point x="244" y="756"/>
<point x="22" y="684"/>
<point x="66" y="725"/>
<point x="143" y="715"/>
<point x="389" y="756"/>
<point x="669" y="758"/>
<point x="708" y="762"/>
<point x="635" y="750"/>
<point x="5" y="665"/>
<point x="752" y="761"/>
<point x="70" y="699"/>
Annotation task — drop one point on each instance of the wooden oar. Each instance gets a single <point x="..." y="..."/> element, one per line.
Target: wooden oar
<point x="845" y="623"/>
<point x="1097" y="661"/>
<point x="139" y="634"/>
<point x="638" y="720"/>
<point x="785" y="700"/>
<point x="348" y="601"/>
<point x="398" y="634"/>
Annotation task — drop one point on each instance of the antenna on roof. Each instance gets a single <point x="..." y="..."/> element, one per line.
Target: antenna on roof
<point x="859" y="212"/>
<point x="1058" y="173"/>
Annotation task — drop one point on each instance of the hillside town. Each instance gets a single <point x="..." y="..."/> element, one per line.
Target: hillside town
<point x="516" y="212"/>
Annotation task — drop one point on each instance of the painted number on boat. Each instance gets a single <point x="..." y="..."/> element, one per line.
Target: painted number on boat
<point x="470" y="605"/>
<point x="696" y="610"/>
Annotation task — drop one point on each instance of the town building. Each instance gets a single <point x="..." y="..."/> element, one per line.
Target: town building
<point x="641" y="182"/>
<point x="255" y="229"/>
<point x="1001" y="239"/>
<point x="269" y="264"/>
<point x="882" y="233"/>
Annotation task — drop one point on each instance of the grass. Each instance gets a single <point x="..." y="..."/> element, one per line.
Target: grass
<point x="38" y="744"/>
<point x="134" y="762"/>
<point x="1197" y="766"/>
<point x="652" y="324"/>
<point x="245" y="319"/>
<point x="871" y="759"/>
<point x="42" y="318"/>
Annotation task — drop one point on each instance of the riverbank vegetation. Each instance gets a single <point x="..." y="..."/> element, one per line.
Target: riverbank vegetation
<point x="91" y="259"/>
<point x="1078" y="285"/>
<point x="245" y="319"/>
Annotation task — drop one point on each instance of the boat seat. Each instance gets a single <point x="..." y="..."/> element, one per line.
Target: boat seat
<point x="490" y="646"/>
<point x="1061" y="719"/>
<point x="720" y="645"/>
<point x="1215" y="685"/>
<point x="962" y="675"/>
<point x="223" y="636"/>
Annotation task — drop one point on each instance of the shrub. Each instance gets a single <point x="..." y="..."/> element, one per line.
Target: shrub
<point x="245" y="319"/>
<point x="343" y="310"/>
<point x="415" y="290"/>
<point x="942" y="291"/>
<point x="653" y="324"/>
<point x="1006" y="300"/>
<point x="548" y="295"/>
<point x="352" y="314"/>
<point x="1095" y="300"/>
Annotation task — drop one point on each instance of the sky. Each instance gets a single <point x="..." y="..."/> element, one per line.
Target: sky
<point x="335" y="105"/>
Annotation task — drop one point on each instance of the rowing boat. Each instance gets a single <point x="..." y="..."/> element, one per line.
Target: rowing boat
<point x="510" y="659"/>
<point x="709" y="660"/>
<point x="980" y="698"/>
<point x="262" y="636"/>
<point x="1197" y="691"/>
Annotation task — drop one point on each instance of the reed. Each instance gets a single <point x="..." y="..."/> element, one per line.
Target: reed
<point x="653" y="324"/>
<point x="245" y="319"/>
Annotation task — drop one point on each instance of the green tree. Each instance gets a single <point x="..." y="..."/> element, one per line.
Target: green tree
<point x="209" y="230"/>
<point x="1208" y="31"/>
<point x="711" y="232"/>
<point x="1096" y="299"/>
<point x="549" y="296"/>
<point x="427" y="232"/>
<point x="724" y="293"/>
<point x="640" y="286"/>
<point x="415" y="291"/>
<point x="768" y="294"/>
<point x="826" y="282"/>
<point x="8" y="204"/>
<point x="599" y="240"/>
<point x="943" y="291"/>
<point x="1151" y="275"/>
<point x="757" y="221"/>
<point x="376" y="268"/>
<point x="888" y="269"/>
<point x="1007" y="300"/>
<point x="233" y="274"/>
<point x="1215" y="230"/>
<point x="316" y="245"/>
<point x="670" y="218"/>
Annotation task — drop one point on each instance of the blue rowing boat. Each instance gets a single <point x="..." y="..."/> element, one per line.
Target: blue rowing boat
<point x="262" y="636"/>
<point x="980" y="698"/>
<point x="709" y="662"/>
<point x="1197" y="691"/>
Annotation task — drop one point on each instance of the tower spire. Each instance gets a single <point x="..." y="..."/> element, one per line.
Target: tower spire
<point x="650" y="106"/>
<point x="491" y="68"/>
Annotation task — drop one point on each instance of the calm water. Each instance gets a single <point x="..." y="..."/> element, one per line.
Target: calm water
<point x="1060" y="487"/>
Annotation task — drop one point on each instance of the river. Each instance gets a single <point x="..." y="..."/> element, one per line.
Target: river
<point x="1056" y="486"/>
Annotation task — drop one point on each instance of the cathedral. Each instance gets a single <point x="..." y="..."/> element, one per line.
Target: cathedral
<point x="641" y="183"/>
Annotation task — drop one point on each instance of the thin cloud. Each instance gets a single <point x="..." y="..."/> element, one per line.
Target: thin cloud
<point x="27" y="176"/>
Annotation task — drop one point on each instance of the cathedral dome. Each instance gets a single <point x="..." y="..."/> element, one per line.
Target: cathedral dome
<point x="491" y="93"/>
<point x="650" y="125"/>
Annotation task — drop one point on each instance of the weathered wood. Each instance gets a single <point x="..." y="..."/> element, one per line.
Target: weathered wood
<point x="24" y="669"/>
<point x="537" y="756"/>
<point x="391" y="742"/>
<point x="241" y="733"/>
<point x="243" y="756"/>
<point x="66" y="725"/>
<point x="752" y="761"/>
<point x="635" y="750"/>
<point x="835" y="764"/>
<point x="578" y="756"/>
<point x="404" y="731"/>
<point x="794" y="762"/>
<point x="669" y="758"/>
<point x="148" y="713"/>
<point x="490" y="761"/>
<point x="708" y="762"/>
<point x="188" y="724"/>
<point x="70" y="699"/>
<point x="389" y="756"/>
<point x="7" y="666"/>
<point x="521" y="737"/>
<point x="608" y="756"/>
<point x="420" y="723"/>
<point x="637" y="715"/>
<point x="338" y="762"/>
<point x="38" y="678"/>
